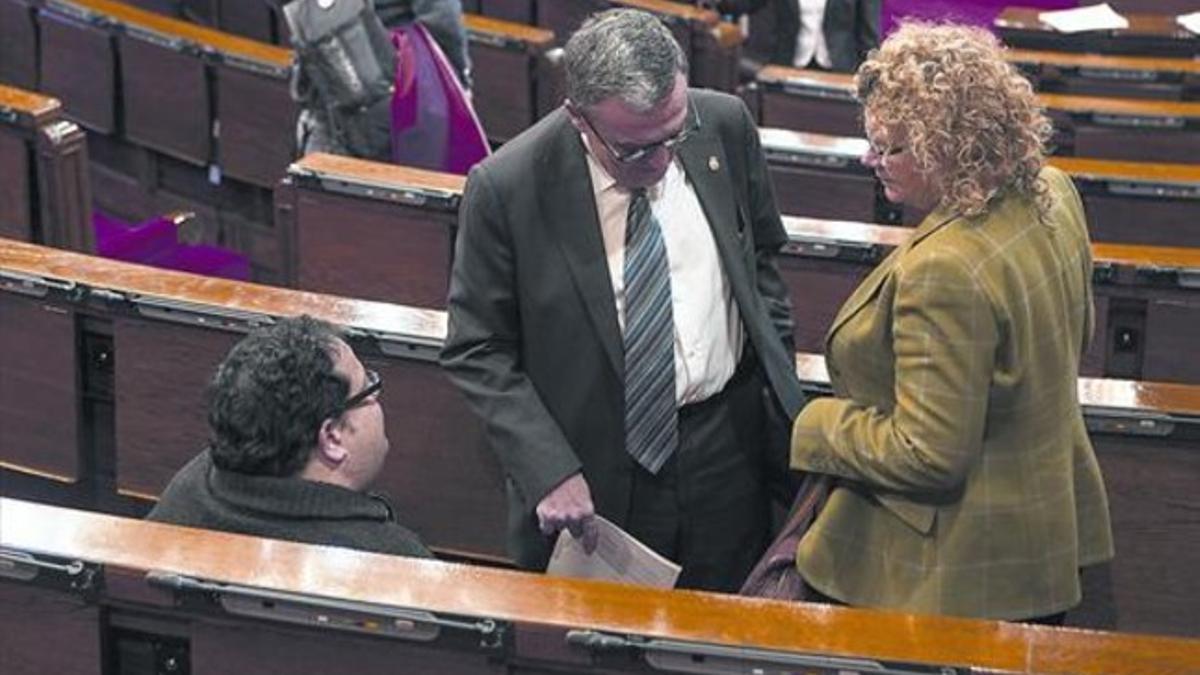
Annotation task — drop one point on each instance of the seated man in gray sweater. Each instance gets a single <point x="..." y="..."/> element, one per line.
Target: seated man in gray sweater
<point x="297" y="436"/>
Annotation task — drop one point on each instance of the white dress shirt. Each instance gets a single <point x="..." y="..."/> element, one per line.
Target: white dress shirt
<point x="810" y="41"/>
<point x="708" y="331"/>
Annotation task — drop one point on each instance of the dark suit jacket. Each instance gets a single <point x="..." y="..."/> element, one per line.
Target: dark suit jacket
<point x="533" y="337"/>
<point x="851" y="28"/>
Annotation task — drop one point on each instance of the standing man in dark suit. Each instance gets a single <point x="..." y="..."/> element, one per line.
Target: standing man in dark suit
<point x="827" y="34"/>
<point x="615" y="314"/>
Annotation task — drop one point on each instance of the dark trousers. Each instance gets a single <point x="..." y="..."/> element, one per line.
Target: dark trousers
<point x="707" y="508"/>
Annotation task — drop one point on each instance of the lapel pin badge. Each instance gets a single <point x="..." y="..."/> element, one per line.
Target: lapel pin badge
<point x="713" y="163"/>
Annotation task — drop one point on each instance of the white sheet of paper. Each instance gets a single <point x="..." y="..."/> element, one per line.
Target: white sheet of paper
<point x="1092" y="17"/>
<point x="618" y="557"/>
<point x="1190" y="21"/>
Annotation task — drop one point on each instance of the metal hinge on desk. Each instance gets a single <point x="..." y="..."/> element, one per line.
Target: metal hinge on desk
<point x="332" y="613"/>
<point x="1128" y="422"/>
<point x="403" y="345"/>
<point x="411" y="196"/>
<point x="1182" y="277"/>
<point x="1139" y="121"/>
<point x="171" y="42"/>
<point x="1153" y="190"/>
<point x="807" y="159"/>
<point x="33" y="285"/>
<point x="83" y="14"/>
<point x="255" y="66"/>
<point x="74" y="575"/>
<point x="193" y="313"/>
<point x="1121" y="74"/>
<point x="677" y="656"/>
<point x="833" y="249"/>
<point x="1104" y="273"/>
<point x="495" y="40"/>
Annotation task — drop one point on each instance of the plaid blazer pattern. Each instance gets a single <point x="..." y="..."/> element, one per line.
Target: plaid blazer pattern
<point x="968" y="485"/>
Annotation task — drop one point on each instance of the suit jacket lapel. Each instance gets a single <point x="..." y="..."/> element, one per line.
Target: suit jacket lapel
<point x="568" y="204"/>
<point x="867" y="290"/>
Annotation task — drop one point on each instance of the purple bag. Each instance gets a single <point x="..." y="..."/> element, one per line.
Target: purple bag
<point x="775" y="575"/>
<point x="433" y="124"/>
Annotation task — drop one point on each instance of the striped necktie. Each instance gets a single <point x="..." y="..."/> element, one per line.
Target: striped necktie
<point x="651" y="430"/>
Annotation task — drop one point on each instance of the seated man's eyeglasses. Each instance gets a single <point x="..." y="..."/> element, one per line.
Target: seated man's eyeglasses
<point x="631" y="155"/>
<point x="373" y="387"/>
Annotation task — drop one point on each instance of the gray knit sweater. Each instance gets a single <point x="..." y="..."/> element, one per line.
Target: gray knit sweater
<point x="203" y="495"/>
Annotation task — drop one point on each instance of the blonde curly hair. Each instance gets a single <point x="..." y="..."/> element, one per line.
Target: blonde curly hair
<point x="972" y="123"/>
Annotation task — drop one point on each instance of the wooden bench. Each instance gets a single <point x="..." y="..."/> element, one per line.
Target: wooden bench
<point x="1087" y="126"/>
<point x="134" y="348"/>
<point x="713" y="46"/>
<point x="165" y="101"/>
<point x="1108" y="75"/>
<point x="1127" y="202"/>
<point x="413" y="214"/>
<point x="515" y="80"/>
<point x="18" y="43"/>
<point x="823" y="176"/>
<point x="1138" y="202"/>
<point x="508" y="60"/>
<point x="45" y="195"/>
<point x="221" y="603"/>
<point x="394" y="237"/>
<point x="1148" y="35"/>
<point x="1147" y="297"/>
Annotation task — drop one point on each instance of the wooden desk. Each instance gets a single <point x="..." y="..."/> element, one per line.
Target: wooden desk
<point x="45" y="195"/>
<point x="167" y="99"/>
<point x="713" y="47"/>
<point x="18" y="43"/>
<point x="206" y="123"/>
<point x="1109" y="75"/>
<point x="1147" y="299"/>
<point x="394" y="233"/>
<point x="1148" y="35"/>
<point x="142" y="344"/>
<point x="1090" y="126"/>
<point x="821" y="176"/>
<point x="148" y="342"/>
<point x="510" y="65"/>
<point x="528" y="623"/>
<point x="1138" y="202"/>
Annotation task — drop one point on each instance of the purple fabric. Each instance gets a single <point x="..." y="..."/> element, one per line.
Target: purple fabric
<point x="156" y="243"/>
<point x="133" y="243"/>
<point x="211" y="261"/>
<point x="433" y="124"/>
<point x="978" y="12"/>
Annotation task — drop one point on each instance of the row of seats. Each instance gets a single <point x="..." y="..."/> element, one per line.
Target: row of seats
<point x="45" y="195"/>
<point x="183" y="118"/>
<point x="105" y="366"/>
<point x="1147" y="304"/>
<point x="103" y="594"/>
<point x="820" y="175"/>
<point x="411" y="214"/>
<point x="1152" y="31"/>
<point x="1132" y="129"/>
<point x="1149" y="309"/>
<point x="149" y="169"/>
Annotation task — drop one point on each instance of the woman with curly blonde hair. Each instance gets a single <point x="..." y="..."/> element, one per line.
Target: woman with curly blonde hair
<point x="964" y="480"/>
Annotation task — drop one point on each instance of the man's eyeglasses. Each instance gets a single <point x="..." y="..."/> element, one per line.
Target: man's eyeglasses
<point x="633" y="155"/>
<point x="373" y="387"/>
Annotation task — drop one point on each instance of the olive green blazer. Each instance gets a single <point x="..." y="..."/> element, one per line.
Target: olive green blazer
<point x="968" y="485"/>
